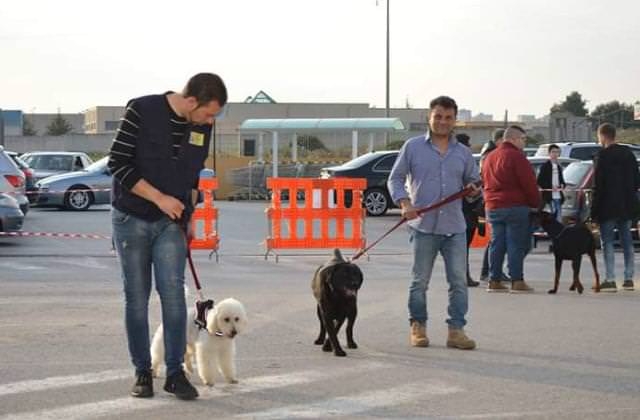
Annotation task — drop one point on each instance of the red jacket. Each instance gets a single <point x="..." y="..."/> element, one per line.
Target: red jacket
<point x="509" y="179"/>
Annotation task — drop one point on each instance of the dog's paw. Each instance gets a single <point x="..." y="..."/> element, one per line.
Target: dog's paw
<point x="339" y="353"/>
<point x="319" y="341"/>
<point x="232" y="381"/>
<point x="552" y="291"/>
<point x="580" y="289"/>
<point x="327" y="346"/>
<point x="352" y="345"/>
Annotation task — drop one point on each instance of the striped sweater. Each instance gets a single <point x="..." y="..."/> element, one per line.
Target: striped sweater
<point x="123" y="147"/>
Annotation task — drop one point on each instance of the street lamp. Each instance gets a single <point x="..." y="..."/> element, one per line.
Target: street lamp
<point x="386" y="109"/>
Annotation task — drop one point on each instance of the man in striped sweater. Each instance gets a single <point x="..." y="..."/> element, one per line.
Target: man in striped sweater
<point x="155" y="159"/>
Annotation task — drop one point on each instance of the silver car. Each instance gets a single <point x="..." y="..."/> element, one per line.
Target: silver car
<point x="12" y="180"/>
<point x="45" y="164"/>
<point x="76" y="190"/>
<point x="11" y="217"/>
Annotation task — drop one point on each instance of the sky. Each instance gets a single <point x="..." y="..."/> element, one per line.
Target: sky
<point x="490" y="55"/>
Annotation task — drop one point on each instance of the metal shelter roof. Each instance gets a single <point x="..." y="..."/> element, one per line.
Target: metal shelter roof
<point x="299" y="125"/>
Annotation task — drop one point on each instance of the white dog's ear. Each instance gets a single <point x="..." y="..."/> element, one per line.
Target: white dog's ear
<point x="212" y="320"/>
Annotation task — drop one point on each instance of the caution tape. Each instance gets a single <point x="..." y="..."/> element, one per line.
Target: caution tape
<point x="56" y="235"/>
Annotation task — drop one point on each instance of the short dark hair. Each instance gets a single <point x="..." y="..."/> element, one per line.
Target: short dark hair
<point x="464" y="139"/>
<point x="445" y="102"/>
<point x="206" y="87"/>
<point x="553" y="147"/>
<point x="498" y="134"/>
<point x="517" y="127"/>
<point x="607" y="130"/>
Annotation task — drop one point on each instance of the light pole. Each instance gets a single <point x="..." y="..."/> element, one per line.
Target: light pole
<point x="386" y="112"/>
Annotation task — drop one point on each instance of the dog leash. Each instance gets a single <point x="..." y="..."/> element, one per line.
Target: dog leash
<point x="453" y="197"/>
<point x="202" y="305"/>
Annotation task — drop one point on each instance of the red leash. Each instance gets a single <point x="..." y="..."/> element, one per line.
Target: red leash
<point x="202" y="305"/>
<point x="453" y="197"/>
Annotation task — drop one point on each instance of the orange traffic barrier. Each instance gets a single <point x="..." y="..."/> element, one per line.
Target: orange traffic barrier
<point x="204" y="222"/>
<point x="482" y="241"/>
<point x="316" y="215"/>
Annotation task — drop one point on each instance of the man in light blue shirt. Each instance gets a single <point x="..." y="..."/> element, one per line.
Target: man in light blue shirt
<point x="435" y="166"/>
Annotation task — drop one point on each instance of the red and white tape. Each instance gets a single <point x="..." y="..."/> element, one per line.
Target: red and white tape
<point x="56" y="235"/>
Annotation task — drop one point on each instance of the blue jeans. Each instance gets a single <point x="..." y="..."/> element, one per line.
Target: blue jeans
<point x="510" y="235"/>
<point x="607" y="238"/>
<point x="556" y="209"/>
<point x="161" y="246"/>
<point x="453" y="250"/>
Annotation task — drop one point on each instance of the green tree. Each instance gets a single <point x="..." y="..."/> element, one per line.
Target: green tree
<point x="28" y="129"/>
<point x="616" y="113"/>
<point x="59" y="126"/>
<point x="574" y="104"/>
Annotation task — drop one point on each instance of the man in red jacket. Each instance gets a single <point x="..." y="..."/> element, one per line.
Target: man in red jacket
<point x="510" y="190"/>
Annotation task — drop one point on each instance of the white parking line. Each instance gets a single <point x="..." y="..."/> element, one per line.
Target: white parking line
<point x="129" y="404"/>
<point x="354" y="404"/>
<point x="63" y="381"/>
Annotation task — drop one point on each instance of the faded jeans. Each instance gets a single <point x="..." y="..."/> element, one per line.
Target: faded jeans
<point x="510" y="235"/>
<point x="143" y="246"/>
<point x="607" y="238"/>
<point x="453" y="250"/>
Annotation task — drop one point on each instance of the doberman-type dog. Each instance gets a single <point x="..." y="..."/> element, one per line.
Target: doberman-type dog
<point x="335" y="286"/>
<point x="570" y="242"/>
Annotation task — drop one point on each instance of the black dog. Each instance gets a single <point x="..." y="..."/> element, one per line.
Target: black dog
<point x="570" y="243"/>
<point x="335" y="286"/>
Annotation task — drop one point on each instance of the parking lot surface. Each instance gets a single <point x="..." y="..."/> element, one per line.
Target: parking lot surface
<point x="63" y="350"/>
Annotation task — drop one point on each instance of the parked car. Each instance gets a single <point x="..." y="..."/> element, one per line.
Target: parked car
<point x="30" y="183"/>
<point x="375" y="167"/>
<point x="11" y="217"/>
<point x="12" y="181"/>
<point x="45" y="164"/>
<point x="71" y="190"/>
<point x="580" y="150"/>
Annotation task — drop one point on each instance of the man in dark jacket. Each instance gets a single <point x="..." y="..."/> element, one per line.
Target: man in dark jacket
<point x="470" y="211"/>
<point x="155" y="159"/>
<point x="551" y="181"/>
<point x="615" y="203"/>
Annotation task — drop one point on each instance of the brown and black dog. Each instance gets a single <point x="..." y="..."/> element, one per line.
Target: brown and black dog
<point x="335" y="286"/>
<point x="570" y="242"/>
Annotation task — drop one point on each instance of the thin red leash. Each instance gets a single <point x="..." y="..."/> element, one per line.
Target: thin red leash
<point x="460" y="194"/>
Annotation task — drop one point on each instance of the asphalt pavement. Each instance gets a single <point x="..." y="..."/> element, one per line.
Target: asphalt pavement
<point x="63" y="351"/>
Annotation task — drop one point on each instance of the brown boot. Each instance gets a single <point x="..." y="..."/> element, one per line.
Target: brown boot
<point x="519" y="286"/>
<point x="458" y="340"/>
<point x="418" y="336"/>
<point x="496" y="286"/>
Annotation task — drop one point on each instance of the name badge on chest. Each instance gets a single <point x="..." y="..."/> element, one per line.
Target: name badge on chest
<point x="197" y="139"/>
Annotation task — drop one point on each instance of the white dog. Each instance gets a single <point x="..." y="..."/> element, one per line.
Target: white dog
<point x="214" y="347"/>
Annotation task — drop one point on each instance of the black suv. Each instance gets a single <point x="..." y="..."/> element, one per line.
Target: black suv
<point x="375" y="167"/>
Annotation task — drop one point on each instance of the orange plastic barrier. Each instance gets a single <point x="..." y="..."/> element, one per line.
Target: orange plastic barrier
<point x="482" y="241"/>
<point x="319" y="202"/>
<point x="204" y="222"/>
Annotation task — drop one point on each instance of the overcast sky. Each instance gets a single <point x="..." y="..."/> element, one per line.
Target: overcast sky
<point x="490" y="55"/>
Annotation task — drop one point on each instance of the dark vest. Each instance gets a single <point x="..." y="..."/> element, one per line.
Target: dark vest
<point x="154" y="159"/>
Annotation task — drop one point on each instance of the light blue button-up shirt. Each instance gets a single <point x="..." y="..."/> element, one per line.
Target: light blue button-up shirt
<point x="430" y="177"/>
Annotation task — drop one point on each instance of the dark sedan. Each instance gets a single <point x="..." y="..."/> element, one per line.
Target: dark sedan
<point x="375" y="167"/>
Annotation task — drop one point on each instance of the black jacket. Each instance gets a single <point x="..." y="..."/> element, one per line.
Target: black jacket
<point x="545" y="181"/>
<point x="172" y="175"/>
<point x="615" y="189"/>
